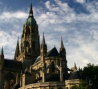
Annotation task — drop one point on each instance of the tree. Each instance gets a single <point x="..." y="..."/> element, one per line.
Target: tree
<point x="90" y="74"/>
<point x="80" y="86"/>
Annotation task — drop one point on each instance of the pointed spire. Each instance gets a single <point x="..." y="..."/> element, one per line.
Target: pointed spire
<point x="43" y="41"/>
<point x="62" y="45"/>
<point x="62" y="49"/>
<point x="31" y="11"/>
<point x="17" y="50"/>
<point x="75" y="66"/>
<point x="2" y="54"/>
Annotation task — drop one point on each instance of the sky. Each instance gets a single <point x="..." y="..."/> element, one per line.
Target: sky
<point x="75" y="20"/>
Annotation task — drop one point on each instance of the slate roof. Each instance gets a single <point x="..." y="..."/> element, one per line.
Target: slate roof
<point x="38" y="59"/>
<point x="50" y="53"/>
<point x="12" y="64"/>
<point x="75" y="75"/>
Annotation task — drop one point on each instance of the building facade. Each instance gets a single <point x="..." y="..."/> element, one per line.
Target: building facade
<point x="33" y="66"/>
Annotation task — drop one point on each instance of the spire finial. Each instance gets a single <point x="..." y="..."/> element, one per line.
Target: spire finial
<point x="31" y="11"/>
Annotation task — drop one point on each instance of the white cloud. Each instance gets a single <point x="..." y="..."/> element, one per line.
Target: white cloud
<point x="51" y="7"/>
<point x="10" y="15"/>
<point x="80" y="1"/>
<point x="8" y="41"/>
<point x="11" y="24"/>
<point x="78" y="31"/>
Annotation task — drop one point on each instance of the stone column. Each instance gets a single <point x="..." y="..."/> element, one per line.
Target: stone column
<point x="44" y="75"/>
<point x="23" y="80"/>
<point x="61" y="71"/>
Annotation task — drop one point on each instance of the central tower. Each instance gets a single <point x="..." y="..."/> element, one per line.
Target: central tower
<point x="30" y="37"/>
<point x="30" y="43"/>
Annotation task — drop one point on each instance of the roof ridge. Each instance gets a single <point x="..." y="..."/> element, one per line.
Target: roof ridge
<point x="51" y="48"/>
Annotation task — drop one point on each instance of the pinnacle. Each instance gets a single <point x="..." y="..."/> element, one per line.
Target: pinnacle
<point x="2" y="52"/>
<point x="31" y="11"/>
<point x="17" y="50"/>
<point x="62" y="45"/>
<point x="75" y="66"/>
<point x="43" y="41"/>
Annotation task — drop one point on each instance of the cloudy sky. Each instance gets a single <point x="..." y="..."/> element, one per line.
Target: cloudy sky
<point x="75" y="20"/>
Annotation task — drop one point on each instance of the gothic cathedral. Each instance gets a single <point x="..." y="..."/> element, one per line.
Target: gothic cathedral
<point x="33" y="66"/>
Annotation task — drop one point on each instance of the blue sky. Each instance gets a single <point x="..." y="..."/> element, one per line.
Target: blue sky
<point x="75" y="20"/>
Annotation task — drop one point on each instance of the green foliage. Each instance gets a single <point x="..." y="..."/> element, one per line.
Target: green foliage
<point x="75" y="87"/>
<point x="81" y="86"/>
<point x="90" y="73"/>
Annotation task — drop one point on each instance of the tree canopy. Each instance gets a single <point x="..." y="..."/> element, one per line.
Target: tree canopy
<point x="80" y="86"/>
<point x="90" y="74"/>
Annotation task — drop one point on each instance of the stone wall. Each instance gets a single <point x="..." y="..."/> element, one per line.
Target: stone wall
<point x="45" y="85"/>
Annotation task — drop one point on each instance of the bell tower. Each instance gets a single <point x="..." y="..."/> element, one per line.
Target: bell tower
<point x="30" y="43"/>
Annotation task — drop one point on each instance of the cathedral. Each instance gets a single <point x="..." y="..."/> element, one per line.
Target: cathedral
<point x="35" y="67"/>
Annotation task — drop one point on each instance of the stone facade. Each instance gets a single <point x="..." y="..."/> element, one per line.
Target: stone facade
<point x="34" y="67"/>
<point x="45" y="85"/>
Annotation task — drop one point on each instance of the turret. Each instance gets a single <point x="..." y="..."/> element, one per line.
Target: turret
<point x="62" y="49"/>
<point x="1" y="69"/>
<point x="43" y="50"/>
<point x="2" y="54"/>
<point x="43" y="53"/>
<point x="74" y="68"/>
<point x="16" y="51"/>
<point x="1" y="58"/>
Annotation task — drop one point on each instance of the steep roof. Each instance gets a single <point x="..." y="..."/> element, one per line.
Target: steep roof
<point x="38" y="59"/>
<point x="12" y="65"/>
<point x="52" y="52"/>
<point x="75" y="75"/>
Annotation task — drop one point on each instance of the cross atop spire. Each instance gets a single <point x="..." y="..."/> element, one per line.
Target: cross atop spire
<point x="31" y="11"/>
